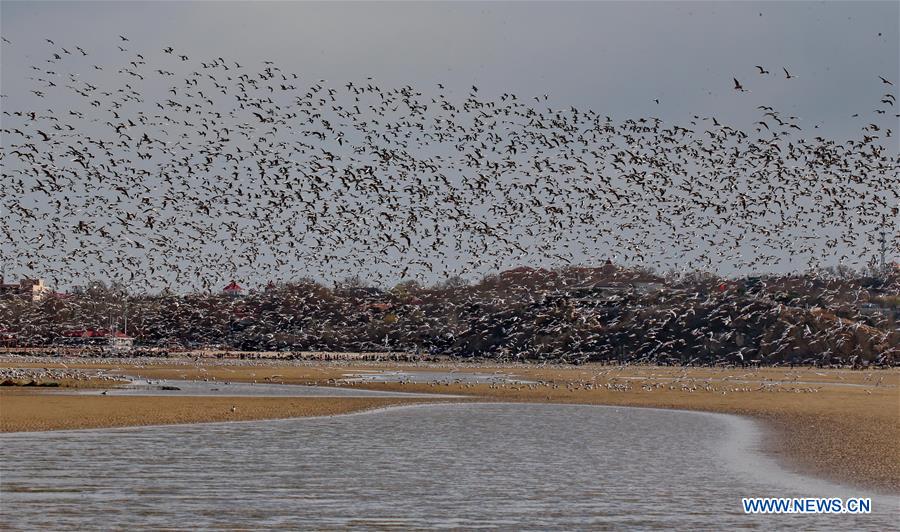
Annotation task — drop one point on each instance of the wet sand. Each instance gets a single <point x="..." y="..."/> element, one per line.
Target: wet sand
<point x="840" y="424"/>
<point x="89" y="384"/>
<point x="25" y="411"/>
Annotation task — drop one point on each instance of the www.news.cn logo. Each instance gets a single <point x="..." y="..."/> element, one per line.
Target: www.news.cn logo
<point x="806" y="505"/>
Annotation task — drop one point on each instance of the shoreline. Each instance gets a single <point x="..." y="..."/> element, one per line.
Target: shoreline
<point x="846" y="434"/>
<point x="37" y="413"/>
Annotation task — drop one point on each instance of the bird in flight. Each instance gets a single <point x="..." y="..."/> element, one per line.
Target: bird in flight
<point x="787" y="75"/>
<point x="884" y="80"/>
<point x="313" y="151"/>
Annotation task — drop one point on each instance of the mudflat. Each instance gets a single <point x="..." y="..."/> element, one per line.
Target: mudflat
<point x="35" y="411"/>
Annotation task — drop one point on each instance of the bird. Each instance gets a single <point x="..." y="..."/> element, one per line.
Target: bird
<point x="762" y="70"/>
<point x="253" y="168"/>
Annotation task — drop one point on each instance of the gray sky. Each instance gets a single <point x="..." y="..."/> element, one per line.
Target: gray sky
<point x="615" y="58"/>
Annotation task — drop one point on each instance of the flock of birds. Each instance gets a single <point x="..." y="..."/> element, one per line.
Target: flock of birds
<point x="610" y="380"/>
<point x="164" y="169"/>
<point x="24" y="376"/>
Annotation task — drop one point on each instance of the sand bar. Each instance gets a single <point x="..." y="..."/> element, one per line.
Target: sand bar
<point x="25" y="411"/>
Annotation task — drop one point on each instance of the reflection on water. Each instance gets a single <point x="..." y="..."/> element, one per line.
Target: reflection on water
<point x="510" y="466"/>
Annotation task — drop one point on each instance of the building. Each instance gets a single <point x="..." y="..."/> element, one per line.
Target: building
<point x="31" y="289"/>
<point x="233" y="290"/>
<point x="120" y="343"/>
<point x="114" y="341"/>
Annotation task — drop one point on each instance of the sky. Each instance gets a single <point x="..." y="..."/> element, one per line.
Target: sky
<point x="616" y="58"/>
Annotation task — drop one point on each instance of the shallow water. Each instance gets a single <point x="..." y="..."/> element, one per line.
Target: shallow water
<point x="424" y="377"/>
<point x="509" y="466"/>
<point x="756" y="383"/>
<point x="162" y="387"/>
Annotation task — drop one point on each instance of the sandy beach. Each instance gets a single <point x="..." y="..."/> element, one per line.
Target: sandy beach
<point x="835" y="423"/>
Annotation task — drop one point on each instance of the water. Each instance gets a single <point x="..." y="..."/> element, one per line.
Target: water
<point x="424" y="377"/>
<point x="162" y="387"/>
<point x="508" y="466"/>
<point x="763" y="381"/>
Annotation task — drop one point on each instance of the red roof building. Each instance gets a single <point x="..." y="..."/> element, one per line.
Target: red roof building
<point x="31" y="289"/>
<point x="233" y="289"/>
